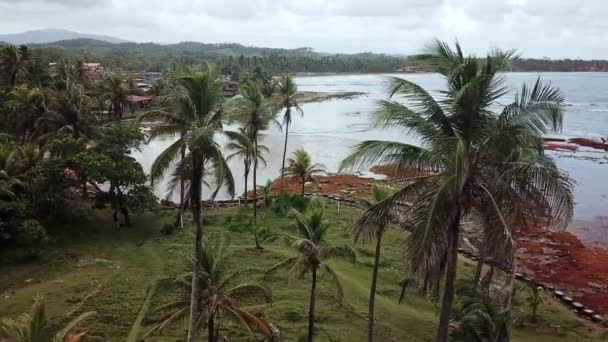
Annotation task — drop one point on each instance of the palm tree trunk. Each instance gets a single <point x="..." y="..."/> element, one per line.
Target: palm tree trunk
<point x="372" y="292"/>
<point x="211" y="328"/>
<point x="195" y="189"/>
<point x="247" y="166"/>
<point x="255" y="192"/>
<point x="311" y="309"/>
<point x="182" y="189"/>
<point x="285" y="149"/>
<point x="478" y="272"/>
<point x="450" y="280"/>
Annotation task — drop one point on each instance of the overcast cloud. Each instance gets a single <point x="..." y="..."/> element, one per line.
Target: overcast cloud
<point x="537" y="28"/>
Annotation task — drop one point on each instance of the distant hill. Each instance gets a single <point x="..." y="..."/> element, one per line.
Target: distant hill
<point x="54" y="35"/>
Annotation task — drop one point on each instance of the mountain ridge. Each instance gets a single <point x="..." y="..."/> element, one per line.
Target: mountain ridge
<point x="45" y="36"/>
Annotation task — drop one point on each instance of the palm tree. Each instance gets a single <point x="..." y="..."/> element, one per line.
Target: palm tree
<point x="535" y="298"/>
<point x="220" y="296"/>
<point x="33" y="326"/>
<point x="116" y="91"/>
<point x="369" y="231"/>
<point x="301" y="166"/>
<point x="241" y="145"/>
<point x="199" y="118"/>
<point x="287" y="92"/>
<point x="313" y="252"/>
<point x="257" y="112"/>
<point x="12" y="62"/>
<point x="27" y="106"/>
<point x="482" y="161"/>
<point x="267" y="192"/>
<point x="480" y="318"/>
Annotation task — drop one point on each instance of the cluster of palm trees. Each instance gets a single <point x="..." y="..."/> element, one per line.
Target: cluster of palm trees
<point x="482" y="163"/>
<point x="193" y="108"/>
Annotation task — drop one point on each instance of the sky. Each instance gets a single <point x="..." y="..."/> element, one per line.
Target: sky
<point x="536" y="28"/>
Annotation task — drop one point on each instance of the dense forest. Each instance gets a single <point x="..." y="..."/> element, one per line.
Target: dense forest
<point x="234" y="58"/>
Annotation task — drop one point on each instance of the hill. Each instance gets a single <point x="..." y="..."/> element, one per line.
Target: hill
<point x="53" y="35"/>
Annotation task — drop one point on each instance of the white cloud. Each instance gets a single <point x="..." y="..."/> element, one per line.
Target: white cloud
<point x="562" y="29"/>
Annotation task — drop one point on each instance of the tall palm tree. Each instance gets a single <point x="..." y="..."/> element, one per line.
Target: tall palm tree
<point x="481" y="161"/>
<point x="368" y="232"/>
<point x="241" y="145"/>
<point x="287" y="92"/>
<point x="313" y="253"/>
<point x="200" y="120"/>
<point x="220" y="296"/>
<point x="257" y="112"/>
<point x="33" y="326"/>
<point x="301" y="166"/>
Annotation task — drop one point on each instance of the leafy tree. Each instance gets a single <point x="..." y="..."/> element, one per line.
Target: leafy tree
<point x="287" y="92"/>
<point x="33" y="326"/>
<point x="241" y="145"/>
<point x="313" y="253"/>
<point x="110" y="161"/>
<point x="369" y="230"/>
<point x="267" y="192"/>
<point x="26" y="106"/>
<point x="483" y="161"/>
<point x="220" y="296"/>
<point x="301" y="166"/>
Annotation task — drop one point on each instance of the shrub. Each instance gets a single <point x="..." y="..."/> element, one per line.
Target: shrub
<point x="284" y="203"/>
<point x="168" y="228"/>
<point x="238" y="223"/>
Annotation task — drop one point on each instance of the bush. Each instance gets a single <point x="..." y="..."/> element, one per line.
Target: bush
<point x="31" y="234"/>
<point x="168" y="229"/>
<point x="284" y="203"/>
<point x="238" y="223"/>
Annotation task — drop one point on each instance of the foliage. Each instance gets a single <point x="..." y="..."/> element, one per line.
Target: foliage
<point x="283" y="204"/>
<point x="33" y="326"/>
<point x="480" y="161"/>
<point x="220" y="296"/>
<point x="301" y="166"/>
<point x="536" y="296"/>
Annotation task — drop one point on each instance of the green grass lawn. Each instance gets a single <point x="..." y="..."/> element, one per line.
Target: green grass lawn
<point x="93" y="267"/>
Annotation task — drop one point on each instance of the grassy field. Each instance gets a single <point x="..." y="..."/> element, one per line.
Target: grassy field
<point x="93" y="267"/>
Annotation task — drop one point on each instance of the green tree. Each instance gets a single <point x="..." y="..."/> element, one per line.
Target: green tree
<point x="221" y="294"/>
<point x="26" y="106"/>
<point x="241" y="145"/>
<point x="200" y="91"/>
<point x="370" y="229"/>
<point x="481" y="160"/>
<point x="313" y="253"/>
<point x="536" y="296"/>
<point x="287" y="92"/>
<point x="301" y="166"/>
<point x="33" y="326"/>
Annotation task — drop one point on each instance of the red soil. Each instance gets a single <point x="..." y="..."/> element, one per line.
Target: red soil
<point x="335" y="185"/>
<point x="393" y="172"/>
<point x="589" y="143"/>
<point x="562" y="260"/>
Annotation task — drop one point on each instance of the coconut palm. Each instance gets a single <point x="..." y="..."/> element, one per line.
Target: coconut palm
<point x="220" y="296"/>
<point x="480" y="318"/>
<point x="313" y="253"/>
<point x="483" y="161"/>
<point x="12" y="62"/>
<point x="301" y="166"/>
<point x="27" y="105"/>
<point x="241" y="145"/>
<point x="287" y="92"/>
<point x="266" y="190"/>
<point x="115" y="90"/>
<point x="536" y="296"/>
<point x="199" y="101"/>
<point x="33" y="326"/>
<point x="368" y="232"/>
<point x="257" y="113"/>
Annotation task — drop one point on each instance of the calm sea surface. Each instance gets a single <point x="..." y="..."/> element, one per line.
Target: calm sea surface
<point x="329" y="129"/>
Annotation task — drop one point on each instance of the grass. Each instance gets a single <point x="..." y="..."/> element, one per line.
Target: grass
<point x="93" y="267"/>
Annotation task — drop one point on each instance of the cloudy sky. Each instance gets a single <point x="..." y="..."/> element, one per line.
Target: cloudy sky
<point x="537" y="28"/>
